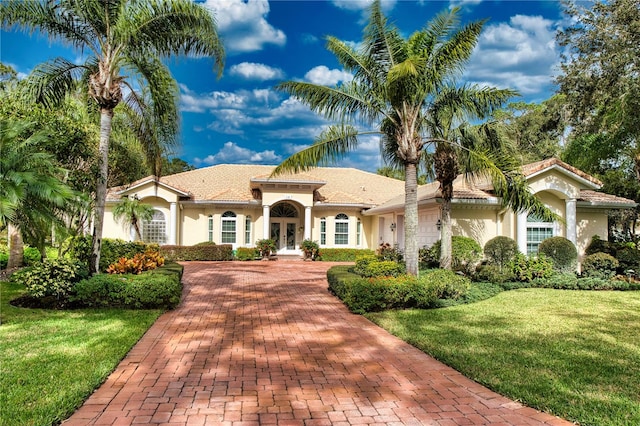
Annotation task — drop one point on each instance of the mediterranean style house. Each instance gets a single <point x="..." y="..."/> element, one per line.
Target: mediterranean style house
<point x="350" y="208"/>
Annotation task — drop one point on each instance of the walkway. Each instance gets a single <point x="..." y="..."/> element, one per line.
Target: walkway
<point x="265" y="343"/>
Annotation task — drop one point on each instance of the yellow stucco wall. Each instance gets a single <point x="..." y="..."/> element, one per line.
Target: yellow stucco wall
<point x="479" y="224"/>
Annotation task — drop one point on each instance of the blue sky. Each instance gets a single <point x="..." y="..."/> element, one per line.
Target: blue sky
<point x="241" y="118"/>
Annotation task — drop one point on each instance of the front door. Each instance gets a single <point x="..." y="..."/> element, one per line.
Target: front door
<point x="283" y="232"/>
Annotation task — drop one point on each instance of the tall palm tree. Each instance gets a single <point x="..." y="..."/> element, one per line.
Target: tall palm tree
<point x="405" y="89"/>
<point x="133" y="212"/>
<point x="31" y="190"/>
<point x="124" y="43"/>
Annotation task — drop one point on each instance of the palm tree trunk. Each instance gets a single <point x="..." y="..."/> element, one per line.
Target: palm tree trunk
<point x="445" y="234"/>
<point x="106" y="115"/>
<point x="16" y="247"/>
<point x="411" y="218"/>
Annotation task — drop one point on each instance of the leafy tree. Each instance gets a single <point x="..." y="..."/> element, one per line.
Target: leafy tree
<point x="175" y="165"/>
<point x="395" y="173"/>
<point x="124" y="43"/>
<point x="133" y="212"/>
<point x="599" y="78"/>
<point x="32" y="195"/>
<point x="406" y="88"/>
<point x="537" y="130"/>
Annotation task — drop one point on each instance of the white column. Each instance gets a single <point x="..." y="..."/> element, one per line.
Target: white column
<point x="173" y="220"/>
<point x="521" y="231"/>
<point x="307" y="223"/>
<point x="570" y="219"/>
<point x="265" y="222"/>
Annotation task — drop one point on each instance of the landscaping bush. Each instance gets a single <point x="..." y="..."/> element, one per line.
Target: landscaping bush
<point x="427" y="258"/>
<point x="465" y="254"/>
<point x="112" y="250"/>
<point x="499" y="251"/>
<point x="343" y="254"/>
<point x="599" y="265"/>
<point x="146" y="261"/>
<point x="311" y="249"/>
<point x="628" y="258"/>
<point x="155" y="289"/>
<point x="32" y="256"/>
<point x="563" y="281"/>
<point x="247" y="253"/>
<point x="362" y="295"/>
<point x="217" y="252"/>
<point x="4" y="257"/>
<point x="370" y="266"/>
<point x="598" y="245"/>
<point x="266" y="247"/>
<point x="495" y="274"/>
<point x="527" y="268"/>
<point x="51" y="278"/>
<point x="561" y="252"/>
<point x="387" y="252"/>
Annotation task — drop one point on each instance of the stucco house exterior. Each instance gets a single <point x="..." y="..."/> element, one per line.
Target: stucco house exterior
<point x="350" y="208"/>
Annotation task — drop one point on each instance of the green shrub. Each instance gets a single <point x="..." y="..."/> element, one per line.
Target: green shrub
<point x="628" y="258"/>
<point x="32" y="256"/>
<point x="247" y="253"/>
<point x="4" y="257"/>
<point x="342" y="254"/>
<point x="362" y="295"/>
<point x="495" y="274"/>
<point x="528" y="268"/>
<point x="384" y="268"/>
<point x="387" y="252"/>
<point x="311" y="249"/>
<point x="599" y="265"/>
<point x="563" y="281"/>
<point x="500" y="251"/>
<point x="465" y="254"/>
<point x="427" y="257"/>
<point x="155" y="289"/>
<point x="562" y="253"/>
<point x="218" y="252"/>
<point x="362" y="263"/>
<point x="51" y="278"/>
<point x="205" y="244"/>
<point x="446" y="284"/>
<point x="598" y="245"/>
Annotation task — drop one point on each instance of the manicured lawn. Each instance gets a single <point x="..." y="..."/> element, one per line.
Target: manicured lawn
<point x="575" y="354"/>
<point x="52" y="360"/>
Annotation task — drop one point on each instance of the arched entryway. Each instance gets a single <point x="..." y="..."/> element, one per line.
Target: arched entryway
<point x="283" y="228"/>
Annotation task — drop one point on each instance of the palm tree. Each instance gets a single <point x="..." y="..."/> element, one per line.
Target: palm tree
<point x="124" y="43"/>
<point x="132" y="211"/>
<point x="407" y="90"/>
<point x="31" y="192"/>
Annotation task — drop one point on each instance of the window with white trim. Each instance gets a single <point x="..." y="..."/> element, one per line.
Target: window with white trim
<point x="359" y="233"/>
<point x="323" y="230"/>
<point x="247" y="230"/>
<point x="537" y="231"/>
<point x="228" y="228"/>
<point x="155" y="230"/>
<point x="210" y="227"/>
<point x="342" y="229"/>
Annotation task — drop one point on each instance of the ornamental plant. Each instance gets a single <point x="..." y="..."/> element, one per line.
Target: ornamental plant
<point x="311" y="249"/>
<point x="140" y="262"/>
<point x="266" y="247"/>
<point x="50" y="278"/>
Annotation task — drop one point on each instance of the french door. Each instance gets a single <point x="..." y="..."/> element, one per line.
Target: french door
<point x="283" y="232"/>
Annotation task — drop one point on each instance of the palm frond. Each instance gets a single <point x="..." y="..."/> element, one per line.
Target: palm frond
<point x="332" y="145"/>
<point x="50" y="82"/>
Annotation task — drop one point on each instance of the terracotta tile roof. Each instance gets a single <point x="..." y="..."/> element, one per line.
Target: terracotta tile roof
<point x="600" y="198"/>
<point x="532" y="168"/>
<point x="233" y="182"/>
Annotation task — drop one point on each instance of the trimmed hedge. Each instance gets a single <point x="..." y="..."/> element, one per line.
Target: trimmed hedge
<point x="211" y="252"/>
<point x="363" y="295"/>
<point x="342" y="254"/>
<point x="371" y="266"/>
<point x="157" y="289"/>
<point x="247" y="253"/>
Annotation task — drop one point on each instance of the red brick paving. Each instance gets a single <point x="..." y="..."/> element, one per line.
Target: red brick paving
<point x="258" y="343"/>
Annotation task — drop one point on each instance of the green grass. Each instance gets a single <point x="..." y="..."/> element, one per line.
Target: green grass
<point x="575" y="354"/>
<point x="51" y="361"/>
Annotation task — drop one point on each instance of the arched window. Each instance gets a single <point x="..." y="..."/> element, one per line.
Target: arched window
<point x="155" y="230"/>
<point x="323" y="230"/>
<point x="228" y="227"/>
<point x="247" y="230"/>
<point x="210" y="227"/>
<point x="342" y="229"/>
<point x="537" y="231"/>
<point x="283" y="210"/>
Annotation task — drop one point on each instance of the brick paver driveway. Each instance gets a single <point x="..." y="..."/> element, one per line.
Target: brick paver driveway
<point x="265" y="343"/>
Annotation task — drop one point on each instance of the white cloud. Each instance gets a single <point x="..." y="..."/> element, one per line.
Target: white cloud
<point x="232" y="153"/>
<point x="362" y="4"/>
<point x="520" y="54"/>
<point x="324" y="76"/>
<point x="243" y="25"/>
<point x="463" y="3"/>
<point x="254" y="71"/>
<point x="194" y="102"/>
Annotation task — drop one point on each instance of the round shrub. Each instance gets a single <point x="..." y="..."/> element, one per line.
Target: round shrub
<point x="528" y="268"/>
<point x="446" y="284"/>
<point x="465" y="253"/>
<point x="562" y="253"/>
<point x="628" y="258"/>
<point x="599" y="265"/>
<point x="500" y="250"/>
